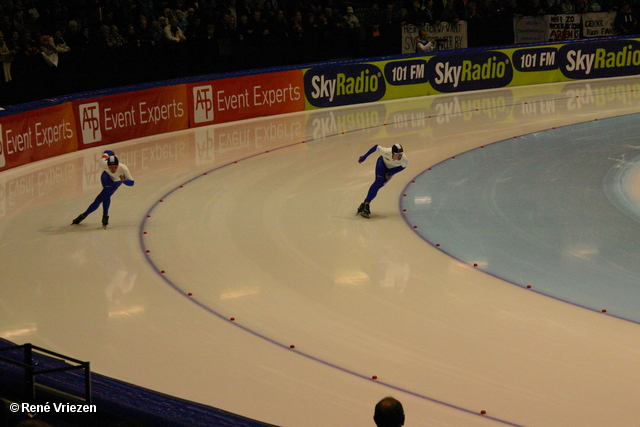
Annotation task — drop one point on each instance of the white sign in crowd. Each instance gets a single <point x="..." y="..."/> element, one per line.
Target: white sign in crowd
<point x="527" y="29"/>
<point x="534" y="29"/>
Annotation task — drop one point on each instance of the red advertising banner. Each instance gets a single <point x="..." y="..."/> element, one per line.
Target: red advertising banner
<point x="126" y="116"/>
<point x="239" y="98"/>
<point x="37" y="135"/>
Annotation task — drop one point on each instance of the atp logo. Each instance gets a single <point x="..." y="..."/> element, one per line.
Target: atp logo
<point x="2" y="160"/>
<point x="90" y="123"/>
<point x="203" y="104"/>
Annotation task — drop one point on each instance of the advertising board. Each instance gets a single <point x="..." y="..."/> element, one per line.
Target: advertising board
<point x="245" y="97"/>
<point x="37" y="135"/>
<point x="422" y="75"/>
<point x="131" y="115"/>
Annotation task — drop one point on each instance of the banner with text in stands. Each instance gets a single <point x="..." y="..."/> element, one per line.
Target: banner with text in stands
<point x="37" y="135"/>
<point x="245" y="97"/>
<point x="564" y="26"/>
<point x="535" y="29"/>
<point x="447" y="35"/>
<point x="598" y="24"/>
<point x="130" y="115"/>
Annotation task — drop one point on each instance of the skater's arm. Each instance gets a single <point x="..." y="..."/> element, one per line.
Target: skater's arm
<point x="126" y="177"/>
<point x="371" y="150"/>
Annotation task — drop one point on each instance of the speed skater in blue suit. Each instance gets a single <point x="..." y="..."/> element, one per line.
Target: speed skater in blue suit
<point x="391" y="161"/>
<point x="114" y="175"/>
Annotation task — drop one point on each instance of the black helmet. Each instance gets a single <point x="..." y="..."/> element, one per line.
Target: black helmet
<point x="397" y="149"/>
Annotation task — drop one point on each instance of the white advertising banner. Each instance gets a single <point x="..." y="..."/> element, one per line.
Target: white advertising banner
<point x="564" y="26"/>
<point x="598" y="24"/>
<point x="448" y="36"/>
<point x="530" y="29"/>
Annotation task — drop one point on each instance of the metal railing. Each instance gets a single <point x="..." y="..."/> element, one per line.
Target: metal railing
<point x="30" y="371"/>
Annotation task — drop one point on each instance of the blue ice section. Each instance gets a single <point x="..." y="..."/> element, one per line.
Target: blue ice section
<point x="553" y="210"/>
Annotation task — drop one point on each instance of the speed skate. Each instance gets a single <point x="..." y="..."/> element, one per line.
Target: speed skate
<point x="363" y="210"/>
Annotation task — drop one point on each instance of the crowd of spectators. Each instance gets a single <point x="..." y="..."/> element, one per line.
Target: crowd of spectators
<point x="54" y="47"/>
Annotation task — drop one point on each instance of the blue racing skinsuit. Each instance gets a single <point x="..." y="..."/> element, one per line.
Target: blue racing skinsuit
<point x="110" y="183"/>
<point x="386" y="167"/>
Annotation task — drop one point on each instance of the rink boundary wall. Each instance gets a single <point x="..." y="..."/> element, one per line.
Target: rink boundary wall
<point x="115" y="400"/>
<point x="47" y="128"/>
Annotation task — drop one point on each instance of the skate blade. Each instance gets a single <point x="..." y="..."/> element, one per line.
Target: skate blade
<point x="364" y="215"/>
<point x="104" y="227"/>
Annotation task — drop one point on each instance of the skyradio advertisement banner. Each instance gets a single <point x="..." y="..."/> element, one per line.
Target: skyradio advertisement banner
<point x="346" y="84"/>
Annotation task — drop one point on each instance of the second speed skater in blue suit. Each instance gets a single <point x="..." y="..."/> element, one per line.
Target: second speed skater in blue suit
<point x="114" y="175"/>
<point x="391" y="161"/>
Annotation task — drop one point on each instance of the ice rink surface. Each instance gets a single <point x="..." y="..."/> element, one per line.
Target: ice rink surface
<point x="235" y="272"/>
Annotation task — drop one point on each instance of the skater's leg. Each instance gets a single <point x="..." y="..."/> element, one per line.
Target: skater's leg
<point x="106" y="203"/>
<point x="103" y="198"/>
<point x="380" y="181"/>
<point x="375" y="187"/>
<point x="96" y="203"/>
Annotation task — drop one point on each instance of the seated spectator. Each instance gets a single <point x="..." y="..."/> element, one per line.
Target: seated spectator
<point x="6" y="25"/>
<point x="350" y="19"/>
<point x="73" y="35"/>
<point x="428" y="14"/>
<point x="173" y="33"/>
<point x="104" y="38"/>
<point x="594" y="6"/>
<point x="625" y="21"/>
<point x="117" y="39"/>
<point x="157" y="33"/>
<point x="241" y="28"/>
<point x="145" y="34"/>
<point x="131" y="37"/>
<point x="7" y="56"/>
<point x="311" y="39"/>
<point x="297" y="26"/>
<point x="210" y="51"/>
<point x="257" y="25"/>
<point x="49" y="51"/>
<point x="60" y="44"/>
<point x="31" y="47"/>
<point x="567" y="6"/>
<point x="279" y="27"/>
<point x="415" y="15"/>
<point x="449" y="14"/>
<point x="19" y="23"/>
<point x="15" y="44"/>
<point x="535" y="8"/>
<point x="182" y="21"/>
